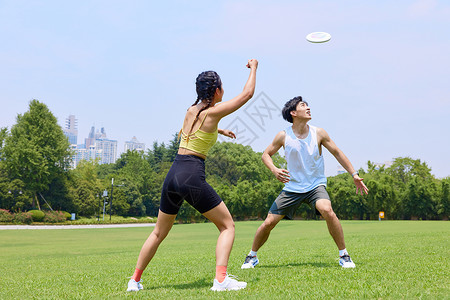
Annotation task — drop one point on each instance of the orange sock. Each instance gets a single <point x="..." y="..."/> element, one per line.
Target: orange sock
<point x="221" y="273"/>
<point x="137" y="275"/>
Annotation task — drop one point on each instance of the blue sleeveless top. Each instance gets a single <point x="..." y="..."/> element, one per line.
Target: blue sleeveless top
<point x="304" y="162"/>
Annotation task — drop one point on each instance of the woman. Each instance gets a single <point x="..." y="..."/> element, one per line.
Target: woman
<point x="186" y="177"/>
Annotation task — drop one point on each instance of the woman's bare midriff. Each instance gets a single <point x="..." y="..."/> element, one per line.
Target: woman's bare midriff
<point x="184" y="151"/>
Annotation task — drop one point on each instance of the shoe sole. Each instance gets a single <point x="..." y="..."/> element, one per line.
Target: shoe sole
<point x="347" y="267"/>
<point x="249" y="266"/>
<point x="225" y="289"/>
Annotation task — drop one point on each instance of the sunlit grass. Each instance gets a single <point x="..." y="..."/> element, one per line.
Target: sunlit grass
<point x="395" y="259"/>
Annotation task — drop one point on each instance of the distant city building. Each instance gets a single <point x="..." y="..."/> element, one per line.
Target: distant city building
<point x="108" y="148"/>
<point x="134" y="145"/>
<point x="71" y="129"/>
<point x="96" y="145"/>
<point x="84" y="154"/>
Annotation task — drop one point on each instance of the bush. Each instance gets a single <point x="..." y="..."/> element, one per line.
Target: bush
<point x="54" y="217"/>
<point x="6" y="216"/>
<point x="37" y="215"/>
<point x="67" y="215"/>
<point x="23" y="218"/>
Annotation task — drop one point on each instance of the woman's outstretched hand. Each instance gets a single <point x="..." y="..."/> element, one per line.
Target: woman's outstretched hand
<point x="252" y="64"/>
<point x="227" y="133"/>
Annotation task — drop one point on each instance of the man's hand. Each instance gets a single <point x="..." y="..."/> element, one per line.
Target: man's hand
<point x="361" y="188"/>
<point x="282" y="175"/>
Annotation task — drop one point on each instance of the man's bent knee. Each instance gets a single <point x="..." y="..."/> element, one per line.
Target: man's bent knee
<point x="270" y="222"/>
<point x="325" y="209"/>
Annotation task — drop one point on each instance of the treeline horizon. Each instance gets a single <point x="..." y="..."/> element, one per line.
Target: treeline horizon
<point x="35" y="174"/>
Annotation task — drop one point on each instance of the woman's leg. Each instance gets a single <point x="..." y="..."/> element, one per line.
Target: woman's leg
<point x="221" y="217"/>
<point x="162" y="228"/>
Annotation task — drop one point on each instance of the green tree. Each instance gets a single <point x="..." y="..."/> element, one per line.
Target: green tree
<point x="172" y="149"/>
<point x="157" y="155"/>
<point x="13" y="195"/>
<point x="405" y="168"/>
<point x="241" y="179"/>
<point x="3" y="135"/>
<point x="443" y="207"/>
<point x="419" y="201"/>
<point x="415" y="188"/>
<point x="85" y="188"/>
<point x="36" y="151"/>
<point x="58" y="194"/>
<point x="138" y="176"/>
<point x="346" y="204"/>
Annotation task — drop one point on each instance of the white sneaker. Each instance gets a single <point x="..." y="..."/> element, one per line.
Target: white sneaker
<point x="250" y="262"/>
<point x="134" y="286"/>
<point x="229" y="284"/>
<point x="346" y="262"/>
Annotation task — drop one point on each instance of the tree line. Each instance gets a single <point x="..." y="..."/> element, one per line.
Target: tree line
<point x="35" y="174"/>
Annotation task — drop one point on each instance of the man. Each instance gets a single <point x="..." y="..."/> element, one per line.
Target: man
<point x="304" y="178"/>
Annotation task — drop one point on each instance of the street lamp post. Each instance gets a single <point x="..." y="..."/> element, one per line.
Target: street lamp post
<point x="110" y="200"/>
<point x="99" y="208"/>
<point x="105" y="195"/>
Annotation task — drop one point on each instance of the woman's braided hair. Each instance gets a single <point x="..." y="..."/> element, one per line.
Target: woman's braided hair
<point x="207" y="82"/>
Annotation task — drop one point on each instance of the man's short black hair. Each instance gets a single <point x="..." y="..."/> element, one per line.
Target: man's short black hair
<point x="290" y="106"/>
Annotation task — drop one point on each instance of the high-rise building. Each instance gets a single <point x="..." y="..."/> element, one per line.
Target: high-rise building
<point x="96" y="145"/>
<point x="71" y="129"/>
<point x="108" y="150"/>
<point x="84" y="154"/>
<point x="90" y="140"/>
<point x="134" y="145"/>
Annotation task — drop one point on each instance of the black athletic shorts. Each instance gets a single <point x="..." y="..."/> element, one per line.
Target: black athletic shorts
<point x="186" y="181"/>
<point x="287" y="202"/>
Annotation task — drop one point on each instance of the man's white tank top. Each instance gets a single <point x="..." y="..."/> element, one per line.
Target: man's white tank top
<point x="304" y="162"/>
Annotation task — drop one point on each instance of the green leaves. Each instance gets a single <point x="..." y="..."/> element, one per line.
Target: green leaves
<point x="35" y="156"/>
<point x="36" y="151"/>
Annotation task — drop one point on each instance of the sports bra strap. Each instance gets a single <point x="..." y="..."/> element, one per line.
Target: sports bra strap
<point x="201" y="124"/>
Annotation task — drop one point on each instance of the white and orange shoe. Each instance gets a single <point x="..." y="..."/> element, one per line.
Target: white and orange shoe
<point x="229" y="284"/>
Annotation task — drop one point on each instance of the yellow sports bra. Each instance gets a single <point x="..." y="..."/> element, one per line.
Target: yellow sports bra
<point x="199" y="141"/>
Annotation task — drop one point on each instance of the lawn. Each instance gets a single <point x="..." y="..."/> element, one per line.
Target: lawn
<point x="394" y="259"/>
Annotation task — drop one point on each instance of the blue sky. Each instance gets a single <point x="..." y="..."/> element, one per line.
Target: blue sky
<point x="380" y="87"/>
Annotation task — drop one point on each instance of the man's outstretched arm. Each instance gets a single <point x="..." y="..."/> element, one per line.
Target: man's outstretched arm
<point x="328" y="143"/>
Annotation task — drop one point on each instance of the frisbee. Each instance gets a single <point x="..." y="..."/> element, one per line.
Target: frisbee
<point x="318" y="37"/>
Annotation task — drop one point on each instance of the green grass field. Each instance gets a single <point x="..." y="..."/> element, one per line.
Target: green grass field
<point x="394" y="259"/>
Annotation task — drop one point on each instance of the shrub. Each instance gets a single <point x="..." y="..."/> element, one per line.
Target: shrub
<point x="37" y="215"/>
<point x="23" y="218"/>
<point x="6" y="216"/>
<point x="54" y="217"/>
<point x="67" y="215"/>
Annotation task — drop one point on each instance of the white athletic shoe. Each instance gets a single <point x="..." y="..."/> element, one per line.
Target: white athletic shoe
<point x="229" y="284"/>
<point x="134" y="286"/>
<point x="346" y="262"/>
<point x="250" y="262"/>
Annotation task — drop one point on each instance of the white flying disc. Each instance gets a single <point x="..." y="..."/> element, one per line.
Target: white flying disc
<point x="318" y="37"/>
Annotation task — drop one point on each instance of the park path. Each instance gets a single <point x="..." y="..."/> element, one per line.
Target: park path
<point x="15" y="227"/>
